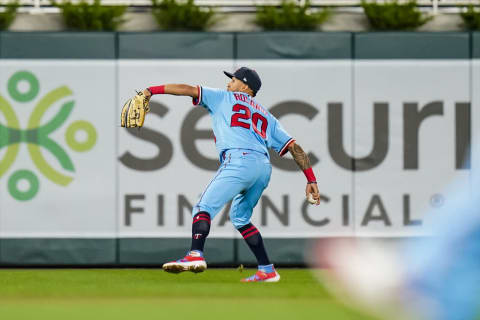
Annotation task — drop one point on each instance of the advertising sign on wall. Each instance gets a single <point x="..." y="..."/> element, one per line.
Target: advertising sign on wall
<point x="384" y="143"/>
<point x="57" y="169"/>
<point x="383" y="140"/>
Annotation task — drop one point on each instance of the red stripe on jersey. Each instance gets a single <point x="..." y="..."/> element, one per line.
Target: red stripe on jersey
<point x="197" y="101"/>
<point x="285" y="147"/>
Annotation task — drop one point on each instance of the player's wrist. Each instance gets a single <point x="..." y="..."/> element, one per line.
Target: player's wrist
<point x="156" y="89"/>
<point x="310" y="175"/>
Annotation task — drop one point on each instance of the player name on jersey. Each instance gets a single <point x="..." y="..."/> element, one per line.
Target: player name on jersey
<point x="247" y="99"/>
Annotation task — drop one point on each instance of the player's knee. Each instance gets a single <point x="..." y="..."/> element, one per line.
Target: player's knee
<point x="239" y="219"/>
<point x="240" y="223"/>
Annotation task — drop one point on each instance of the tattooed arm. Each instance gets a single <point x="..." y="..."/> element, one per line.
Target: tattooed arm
<point x="300" y="157"/>
<point x="303" y="162"/>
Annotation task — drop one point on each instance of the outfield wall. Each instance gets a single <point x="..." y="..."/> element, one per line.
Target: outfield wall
<point x="387" y="119"/>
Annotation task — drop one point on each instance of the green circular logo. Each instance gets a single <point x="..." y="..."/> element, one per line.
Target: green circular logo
<point x="80" y="136"/>
<point x="16" y="79"/>
<point x="23" y="175"/>
<point x="72" y="141"/>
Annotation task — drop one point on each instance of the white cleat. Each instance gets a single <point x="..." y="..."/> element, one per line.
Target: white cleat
<point x="193" y="262"/>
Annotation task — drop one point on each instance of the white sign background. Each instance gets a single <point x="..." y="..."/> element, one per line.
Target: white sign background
<point x="355" y="85"/>
<point x="85" y="207"/>
<point x="397" y="83"/>
<point x="94" y="204"/>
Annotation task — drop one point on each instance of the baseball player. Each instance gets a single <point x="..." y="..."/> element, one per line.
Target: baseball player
<point x="244" y="130"/>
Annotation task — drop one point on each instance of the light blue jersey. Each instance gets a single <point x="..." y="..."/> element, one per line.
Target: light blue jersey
<point x="240" y="122"/>
<point x="244" y="131"/>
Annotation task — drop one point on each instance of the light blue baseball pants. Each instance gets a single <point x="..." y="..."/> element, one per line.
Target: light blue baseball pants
<point x="242" y="176"/>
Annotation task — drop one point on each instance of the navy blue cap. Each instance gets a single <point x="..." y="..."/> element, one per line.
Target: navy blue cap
<point x="248" y="76"/>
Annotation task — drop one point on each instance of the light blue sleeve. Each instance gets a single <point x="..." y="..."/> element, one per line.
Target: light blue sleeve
<point x="210" y="98"/>
<point x="280" y="139"/>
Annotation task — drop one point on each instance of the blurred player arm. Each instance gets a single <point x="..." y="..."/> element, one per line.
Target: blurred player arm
<point x="303" y="162"/>
<point x="174" y="89"/>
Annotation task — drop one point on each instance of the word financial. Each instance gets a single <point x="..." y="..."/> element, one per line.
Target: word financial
<point x="374" y="213"/>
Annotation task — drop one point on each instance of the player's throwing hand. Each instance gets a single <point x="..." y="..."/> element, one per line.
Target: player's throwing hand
<point x="311" y="192"/>
<point x="302" y="160"/>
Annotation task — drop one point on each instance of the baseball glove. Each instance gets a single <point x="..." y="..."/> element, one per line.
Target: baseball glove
<point x="134" y="111"/>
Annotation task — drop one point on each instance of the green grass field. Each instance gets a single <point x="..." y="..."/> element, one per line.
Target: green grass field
<point x="136" y="294"/>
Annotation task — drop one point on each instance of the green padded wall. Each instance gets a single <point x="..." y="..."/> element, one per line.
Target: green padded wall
<point x="156" y="251"/>
<point x="176" y="45"/>
<point x="141" y="251"/>
<point x="57" y="45"/>
<point x="476" y="45"/>
<point x="52" y="251"/>
<point x="412" y="45"/>
<point x="294" y="45"/>
<point x="280" y="251"/>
